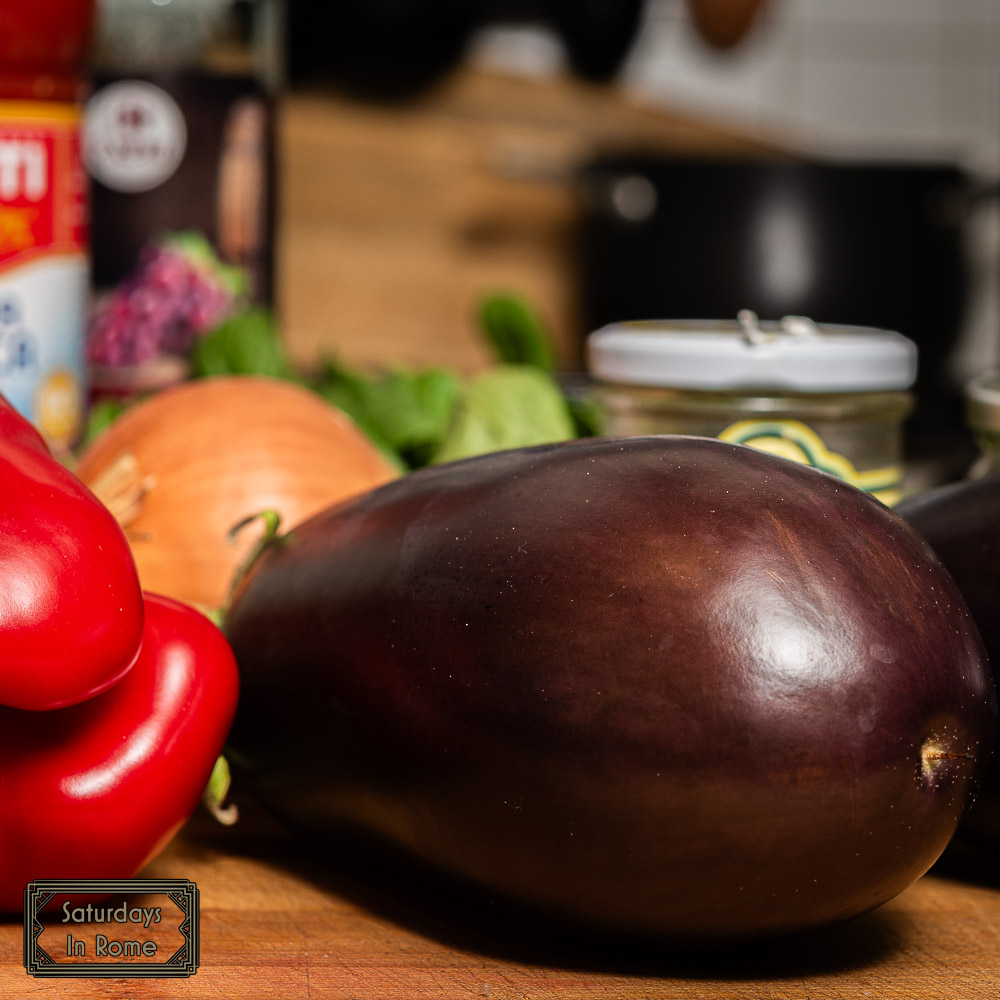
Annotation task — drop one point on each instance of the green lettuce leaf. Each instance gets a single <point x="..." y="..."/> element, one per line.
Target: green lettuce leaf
<point x="246" y="344"/>
<point x="508" y="406"/>
<point x="406" y="413"/>
<point x="515" y="331"/>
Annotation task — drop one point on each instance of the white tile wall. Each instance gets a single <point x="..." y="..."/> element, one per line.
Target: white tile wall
<point x="916" y="78"/>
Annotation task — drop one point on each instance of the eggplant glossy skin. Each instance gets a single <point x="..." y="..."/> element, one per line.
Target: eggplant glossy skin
<point x="961" y="521"/>
<point x="668" y="686"/>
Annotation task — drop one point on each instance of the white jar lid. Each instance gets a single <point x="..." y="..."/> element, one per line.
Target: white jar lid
<point x="794" y="354"/>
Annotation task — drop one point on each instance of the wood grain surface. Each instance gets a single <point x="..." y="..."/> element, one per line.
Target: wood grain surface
<point x="280" y="920"/>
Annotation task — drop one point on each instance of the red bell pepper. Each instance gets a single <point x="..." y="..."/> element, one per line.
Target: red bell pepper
<point x="97" y="789"/>
<point x="70" y="603"/>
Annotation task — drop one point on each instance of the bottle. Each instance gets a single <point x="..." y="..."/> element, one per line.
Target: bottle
<point x="180" y="131"/>
<point x="982" y="417"/>
<point x="44" y="226"/>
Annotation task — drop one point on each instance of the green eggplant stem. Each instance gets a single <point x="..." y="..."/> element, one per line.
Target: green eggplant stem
<point x="272" y="522"/>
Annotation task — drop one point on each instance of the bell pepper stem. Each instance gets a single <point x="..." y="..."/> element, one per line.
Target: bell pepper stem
<point x="216" y="792"/>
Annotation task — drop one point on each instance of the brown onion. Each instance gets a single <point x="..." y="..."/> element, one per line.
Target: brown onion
<point x="182" y="468"/>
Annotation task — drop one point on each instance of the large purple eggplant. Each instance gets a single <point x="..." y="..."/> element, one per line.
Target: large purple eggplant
<point x="663" y="685"/>
<point x="961" y="521"/>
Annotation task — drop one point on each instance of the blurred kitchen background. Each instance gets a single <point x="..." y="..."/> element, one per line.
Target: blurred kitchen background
<point x="605" y="159"/>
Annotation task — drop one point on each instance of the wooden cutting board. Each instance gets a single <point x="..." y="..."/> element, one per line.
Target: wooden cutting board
<point x="278" y="921"/>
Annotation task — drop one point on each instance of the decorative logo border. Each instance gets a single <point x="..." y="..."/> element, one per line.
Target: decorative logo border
<point x="182" y="892"/>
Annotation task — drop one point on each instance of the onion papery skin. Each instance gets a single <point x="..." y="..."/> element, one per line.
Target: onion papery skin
<point x="183" y="467"/>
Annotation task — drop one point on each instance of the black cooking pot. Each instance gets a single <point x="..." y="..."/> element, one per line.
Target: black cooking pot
<point x="874" y="244"/>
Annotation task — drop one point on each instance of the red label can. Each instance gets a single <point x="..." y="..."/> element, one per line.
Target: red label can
<point x="44" y="237"/>
<point x="44" y="277"/>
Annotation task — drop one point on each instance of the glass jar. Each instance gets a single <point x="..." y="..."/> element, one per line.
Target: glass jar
<point x="982" y="415"/>
<point x="834" y="397"/>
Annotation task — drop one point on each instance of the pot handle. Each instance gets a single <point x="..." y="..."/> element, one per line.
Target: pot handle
<point x="965" y="201"/>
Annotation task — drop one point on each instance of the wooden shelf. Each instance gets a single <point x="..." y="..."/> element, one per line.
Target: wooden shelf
<point x="394" y="220"/>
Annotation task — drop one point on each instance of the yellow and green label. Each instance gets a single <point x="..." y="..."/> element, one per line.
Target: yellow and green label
<point x="798" y="442"/>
